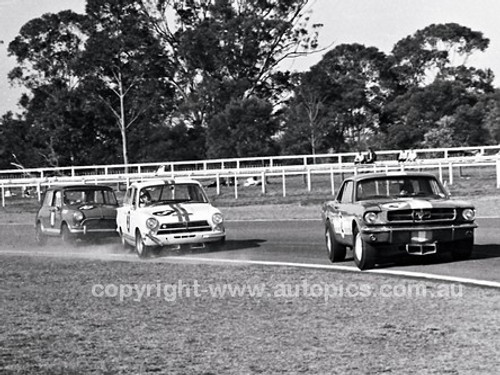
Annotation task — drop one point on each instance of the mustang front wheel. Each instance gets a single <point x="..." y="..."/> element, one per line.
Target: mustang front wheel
<point x="364" y="253"/>
<point x="336" y="251"/>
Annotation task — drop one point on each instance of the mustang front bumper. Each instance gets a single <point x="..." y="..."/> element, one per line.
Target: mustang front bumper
<point x="417" y="240"/>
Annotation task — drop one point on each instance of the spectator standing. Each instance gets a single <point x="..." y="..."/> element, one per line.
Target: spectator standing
<point x="412" y="155"/>
<point x="359" y="158"/>
<point x="402" y="156"/>
<point x="371" y="156"/>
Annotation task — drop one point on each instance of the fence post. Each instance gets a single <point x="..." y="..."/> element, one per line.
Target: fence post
<point x="309" y="179"/>
<point x="332" y="181"/>
<point x="217" y="183"/>
<point x="284" y="183"/>
<point x="235" y="186"/>
<point x="263" y="182"/>
<point x="3" y="195"/>
<point x="440" y="172"/>
<point x="450" y="173"/>
<point x="498" y="172"/>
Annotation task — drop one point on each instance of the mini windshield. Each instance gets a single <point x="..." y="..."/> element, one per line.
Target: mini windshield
<point x="172" y="193"/>
<point x="399" y="187"/>
<point x="89" y="196"/>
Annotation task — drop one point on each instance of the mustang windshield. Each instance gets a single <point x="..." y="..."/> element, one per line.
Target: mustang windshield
<point x="398" y="187"/>
<point x="172" y="193"/>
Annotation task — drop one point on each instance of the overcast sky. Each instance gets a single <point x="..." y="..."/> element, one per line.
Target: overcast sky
<point x="377" y="23"/>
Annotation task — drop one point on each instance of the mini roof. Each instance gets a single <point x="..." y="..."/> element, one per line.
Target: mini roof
<point x="80" y="187"/>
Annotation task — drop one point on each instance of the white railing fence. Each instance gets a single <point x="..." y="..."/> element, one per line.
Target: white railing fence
<point x="443" y="162"/>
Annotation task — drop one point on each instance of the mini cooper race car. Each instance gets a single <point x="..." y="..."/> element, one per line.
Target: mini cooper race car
<point x="380" y="215"/>
<point x="76" y="212"/>
<point x="168" y="213"/>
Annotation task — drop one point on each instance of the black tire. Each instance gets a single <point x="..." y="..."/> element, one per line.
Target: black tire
<point x="364" y="253"/>
<point x="40" y="237"/>
<point x="462" y="250"/>
<point x="142" y="250"/>
<point x="66" y="236"/>
<point x="336" y="251"/>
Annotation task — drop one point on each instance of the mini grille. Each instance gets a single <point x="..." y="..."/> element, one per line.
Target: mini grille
<point x="99" y="224"/>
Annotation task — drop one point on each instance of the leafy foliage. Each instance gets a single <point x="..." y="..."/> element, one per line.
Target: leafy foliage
<point x="155" y="80"/>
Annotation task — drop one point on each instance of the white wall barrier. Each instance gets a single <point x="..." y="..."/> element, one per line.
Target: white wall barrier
<point x="451" y="162"/>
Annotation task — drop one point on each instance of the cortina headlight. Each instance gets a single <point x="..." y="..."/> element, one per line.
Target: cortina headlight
<point x="152" y="223"/>
<point x="217" y="218"/>
<point x="371" y="217"/>
<point x="78" y="216"/>
<point x="469" y="214"/>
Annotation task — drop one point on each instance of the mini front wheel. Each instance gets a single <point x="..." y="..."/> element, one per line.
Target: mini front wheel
<point x="67" y="237"/>
<point x="40" y="237"/>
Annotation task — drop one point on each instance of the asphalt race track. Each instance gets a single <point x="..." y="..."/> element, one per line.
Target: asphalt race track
<point x="287" y="241"/>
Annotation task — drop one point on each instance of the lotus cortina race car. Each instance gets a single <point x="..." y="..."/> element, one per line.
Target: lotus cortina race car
<point x="380" y="215"/>
<point x="168" y="213"/>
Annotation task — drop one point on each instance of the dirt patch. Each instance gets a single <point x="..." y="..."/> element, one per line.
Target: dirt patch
<point x="54" y="323"/>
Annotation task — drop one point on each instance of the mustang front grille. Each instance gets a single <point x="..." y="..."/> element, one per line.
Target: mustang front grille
<point x="422" y="215"/>
<point x="185" y="227"/>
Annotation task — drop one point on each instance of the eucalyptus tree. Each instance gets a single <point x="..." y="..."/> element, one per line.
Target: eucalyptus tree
<point x="47" y="51"/>
<point x="439" y="51"/>
<point x="228" y="50"/>
<point x="342" y="97"/>
<point x="439" y="94"/>
<point x="125" y="67"/>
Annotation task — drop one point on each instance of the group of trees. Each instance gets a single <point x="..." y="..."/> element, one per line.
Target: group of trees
<point x="154" y="80"/>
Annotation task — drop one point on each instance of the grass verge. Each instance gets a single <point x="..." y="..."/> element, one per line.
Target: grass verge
<point x="53" y="324"/>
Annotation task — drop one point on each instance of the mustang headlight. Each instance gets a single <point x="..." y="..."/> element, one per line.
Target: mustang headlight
<point x="152" y="223"/>
<point x="469" y="214"/>
<point x="370" y="217"/>
<point x="217" y="218"/>
<point x="78" y="216"/>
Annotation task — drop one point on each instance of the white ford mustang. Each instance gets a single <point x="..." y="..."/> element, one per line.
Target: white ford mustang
<point x="168" y="213"/>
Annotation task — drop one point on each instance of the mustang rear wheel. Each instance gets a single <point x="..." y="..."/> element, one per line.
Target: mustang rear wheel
<point x="336" y="251"/>
<point x="364" y="253"/>
<point x="142" y="250"/>
<point x="463" y="249"/>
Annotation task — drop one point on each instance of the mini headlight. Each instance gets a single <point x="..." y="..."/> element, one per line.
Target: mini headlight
<point x="217" y="218"/>
<point x="371" y="217"/>
<point x="152" y="223"/>
<point x="78" y="216"/>
<point x="469" y="214"/>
